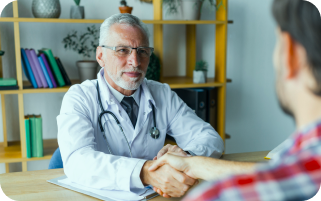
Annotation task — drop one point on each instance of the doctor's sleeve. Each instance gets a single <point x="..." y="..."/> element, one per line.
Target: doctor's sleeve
<point x="83" y="163"/>
<point x="191" y="132"/>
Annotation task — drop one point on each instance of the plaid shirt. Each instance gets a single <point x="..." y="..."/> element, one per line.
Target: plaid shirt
<point x="293" y="174"/>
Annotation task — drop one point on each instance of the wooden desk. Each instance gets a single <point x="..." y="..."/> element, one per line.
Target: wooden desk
<point x="33" y="185"/>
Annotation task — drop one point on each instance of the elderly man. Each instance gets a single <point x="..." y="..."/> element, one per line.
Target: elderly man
<point x="295" y="172"/>
<point x="110" y="129"/>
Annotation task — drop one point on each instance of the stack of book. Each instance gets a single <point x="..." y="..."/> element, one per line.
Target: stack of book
<point x="8" y="84"/>
<point x="34" y="141"/>
<point x="43" y="70"/>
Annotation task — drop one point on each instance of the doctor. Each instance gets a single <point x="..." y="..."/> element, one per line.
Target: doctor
<point x="113" y="150"/>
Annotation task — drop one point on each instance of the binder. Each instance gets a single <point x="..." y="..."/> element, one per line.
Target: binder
<point x="211" y="116"/>
<point x="38" y="67"/>
<point x="196" y="99"/>
<point x="33" y="68"/>
<point x="44" y="70"/>
<point x="28" y="142"/>
<point x="45" y="61"/>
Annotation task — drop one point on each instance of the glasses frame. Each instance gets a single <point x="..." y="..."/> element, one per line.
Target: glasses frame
<point x="131" y="49"/>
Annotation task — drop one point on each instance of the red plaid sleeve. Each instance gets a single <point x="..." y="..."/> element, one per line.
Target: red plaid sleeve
<point x="297" y="177"/>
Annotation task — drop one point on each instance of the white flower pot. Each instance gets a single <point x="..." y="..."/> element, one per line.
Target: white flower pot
<point x="77" y="12"/>
<point x="186" y="10"/>
<point x="191" y="9"/>
<point x="199" y="76"/>
<point x="87" y="70"/>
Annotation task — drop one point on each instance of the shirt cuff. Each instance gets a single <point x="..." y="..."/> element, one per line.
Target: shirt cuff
<point x="190" y="152"/>
<point x="135" y="181"/>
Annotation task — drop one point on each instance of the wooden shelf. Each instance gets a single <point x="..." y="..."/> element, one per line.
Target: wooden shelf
<point x="99" y="21"/>
<point x="12" y="153"/>
<point x="173" y="82"/>
<point x="186" y="82"/>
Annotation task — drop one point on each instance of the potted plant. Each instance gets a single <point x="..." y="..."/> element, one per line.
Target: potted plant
<point x="187" y="9"/>
<point x="77" y="12"/>
<point x="124" y="8"/>
<point x="84" y="45"/>
<point x="200" y="72"/>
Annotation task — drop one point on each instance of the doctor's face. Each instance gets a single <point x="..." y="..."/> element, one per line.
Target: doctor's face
<point x="126" y="71"/>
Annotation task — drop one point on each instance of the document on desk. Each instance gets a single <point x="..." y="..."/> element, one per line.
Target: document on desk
<point x="108" y="195"/>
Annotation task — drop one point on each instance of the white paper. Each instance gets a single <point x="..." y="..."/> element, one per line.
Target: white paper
<point x="277" y="150"/>
<point x="111" y="195"/>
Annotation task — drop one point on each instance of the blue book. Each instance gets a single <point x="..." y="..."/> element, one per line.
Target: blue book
<point x="27" y="70"/>
<point x="44" y="70"/>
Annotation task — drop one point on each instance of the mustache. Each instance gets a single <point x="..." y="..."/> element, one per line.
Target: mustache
<point x="136" y="70"/>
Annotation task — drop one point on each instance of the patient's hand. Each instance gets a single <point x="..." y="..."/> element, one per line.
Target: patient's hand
<point x="176" y="161"/>
<point x="171" y="182"/>
<point x="170" y="148"/>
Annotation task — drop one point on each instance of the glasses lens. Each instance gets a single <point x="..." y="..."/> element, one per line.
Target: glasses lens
<point x="144" y="51"/>
<point x="123" y="51"/>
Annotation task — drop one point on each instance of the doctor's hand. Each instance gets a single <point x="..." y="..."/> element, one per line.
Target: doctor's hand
<point x="171" y="148"/>
<point x="170" y="181"/>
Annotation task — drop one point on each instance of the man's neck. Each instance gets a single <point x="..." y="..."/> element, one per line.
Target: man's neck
<point x="118" y="88"/>
<point x="307" y="108"/>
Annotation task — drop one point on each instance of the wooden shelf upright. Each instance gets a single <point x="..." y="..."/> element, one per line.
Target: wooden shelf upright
<point x="11" y="152"/>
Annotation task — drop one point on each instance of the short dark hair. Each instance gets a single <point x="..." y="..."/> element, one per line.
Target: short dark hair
<point x="301" y="19"/>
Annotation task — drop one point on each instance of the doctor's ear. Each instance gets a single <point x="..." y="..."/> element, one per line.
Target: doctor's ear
<point x="99" y="56"/>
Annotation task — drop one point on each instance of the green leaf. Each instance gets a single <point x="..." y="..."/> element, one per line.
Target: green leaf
<point x="77" y="2"/>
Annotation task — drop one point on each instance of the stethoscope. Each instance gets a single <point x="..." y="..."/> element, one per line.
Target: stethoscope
<point x="154" y="132"/>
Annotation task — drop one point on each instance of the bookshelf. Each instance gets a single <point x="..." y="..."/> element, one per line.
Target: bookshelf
<point x="12" y="152"/>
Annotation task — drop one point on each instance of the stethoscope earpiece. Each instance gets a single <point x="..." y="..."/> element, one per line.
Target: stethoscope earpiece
<point x="154" y="133"/>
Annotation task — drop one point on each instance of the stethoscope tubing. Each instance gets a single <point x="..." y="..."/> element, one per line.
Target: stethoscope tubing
<point x="154" y="133"/>
<point x="118" y="123"/>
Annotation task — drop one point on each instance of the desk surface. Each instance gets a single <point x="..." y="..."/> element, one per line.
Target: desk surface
<point x="33" y="185"/>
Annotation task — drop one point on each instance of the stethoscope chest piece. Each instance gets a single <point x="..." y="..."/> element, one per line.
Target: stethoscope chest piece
<point x="154" y="133"/>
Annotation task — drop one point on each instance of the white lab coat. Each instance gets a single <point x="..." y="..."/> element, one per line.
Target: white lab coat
<point x="83" y="149"/>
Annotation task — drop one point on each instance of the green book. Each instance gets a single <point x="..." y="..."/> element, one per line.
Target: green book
<point x="33" y="140"/>
<point x="54" y="66"/>
<point x="8" y="82"/>
<point x="39" y="138"/>
<point x="28" y="143"/>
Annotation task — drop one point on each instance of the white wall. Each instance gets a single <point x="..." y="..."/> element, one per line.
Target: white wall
<point x="253" y="117"/>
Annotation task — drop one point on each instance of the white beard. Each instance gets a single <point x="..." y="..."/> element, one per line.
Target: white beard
<point x="133" y="84"/>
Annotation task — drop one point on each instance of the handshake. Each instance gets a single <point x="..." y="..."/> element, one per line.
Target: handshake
<point x="170" y="172"/>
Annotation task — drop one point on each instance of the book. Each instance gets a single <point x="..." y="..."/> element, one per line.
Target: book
<point x="28" y="72"/>
<point x="16" y="87"/>
<point x="28" y="143"/>
<point x="63" y="71"/>
<point x="54" y="66"/>
<point x="45" y="71"/>
<point x="33" y="68"/>
<point x="39" y="138"/>
<point x="37" y="64"/>
<point x="8" y="82"/>
<point x="52" y="78"/>
<point x="33" y="140"/>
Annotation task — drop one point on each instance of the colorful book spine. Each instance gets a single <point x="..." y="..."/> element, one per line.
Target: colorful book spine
<point x="54" y="66"/>
<point x="26" y="64"/>
<point x="28" y="140"/>
<point x="37" y="64"/>
<point x="39" y="138"/>
<point x="8" y="82"/>
<point x="45" y="61"/>
<point x="33" y="135"/>
<point x="63" y="71"/>
<point x="33" y="68"/>
<point x="45" y="71"/>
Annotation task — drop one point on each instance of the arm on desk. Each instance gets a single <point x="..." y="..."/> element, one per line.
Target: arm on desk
<point x="203" y="167"/>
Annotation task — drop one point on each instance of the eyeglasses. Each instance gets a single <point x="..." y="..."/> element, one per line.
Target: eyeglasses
<point x="144" y="52"/>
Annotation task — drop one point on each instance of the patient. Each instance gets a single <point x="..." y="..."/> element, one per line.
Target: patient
<point x="295" y="173"/>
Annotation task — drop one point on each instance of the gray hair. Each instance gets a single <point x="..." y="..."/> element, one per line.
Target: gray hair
<point x="126" y="19"/>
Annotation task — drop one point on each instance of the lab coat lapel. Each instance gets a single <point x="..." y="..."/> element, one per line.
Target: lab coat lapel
<point x="145" y="108"/>
<point x="108" y="101"/>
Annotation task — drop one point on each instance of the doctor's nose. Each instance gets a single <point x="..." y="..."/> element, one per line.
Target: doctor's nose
<point x="134" y="59"/>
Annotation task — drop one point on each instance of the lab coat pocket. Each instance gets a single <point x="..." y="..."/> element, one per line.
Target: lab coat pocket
<point x="152" y="145"/>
